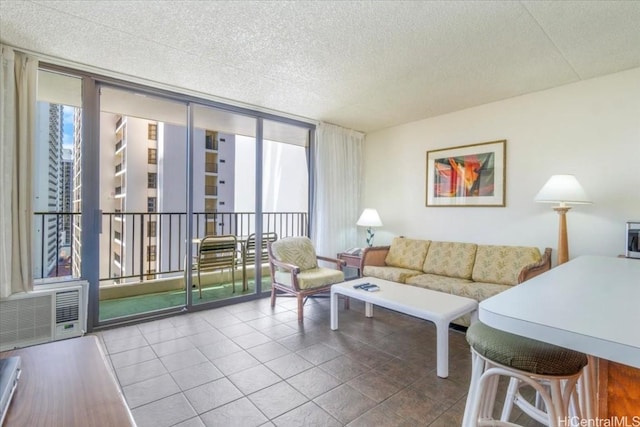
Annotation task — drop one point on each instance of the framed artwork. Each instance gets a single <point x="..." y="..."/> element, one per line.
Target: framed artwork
<point x="469" y="175"/>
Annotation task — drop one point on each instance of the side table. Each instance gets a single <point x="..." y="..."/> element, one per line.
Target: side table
<point x="352" y="261"/>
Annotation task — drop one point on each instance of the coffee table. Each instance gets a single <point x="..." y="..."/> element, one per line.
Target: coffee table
<point x="437" y="307"/>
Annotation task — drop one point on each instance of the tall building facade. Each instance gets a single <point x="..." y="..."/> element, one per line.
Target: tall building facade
<point x="47" y="188"/>
<point x="66" y="196"/>
<point x="145" y="193"/>
<point x="76" y="195"/>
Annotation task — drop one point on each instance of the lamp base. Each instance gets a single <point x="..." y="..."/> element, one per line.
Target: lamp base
<point x="563" y="245"/>
<point x="370" y="235"/>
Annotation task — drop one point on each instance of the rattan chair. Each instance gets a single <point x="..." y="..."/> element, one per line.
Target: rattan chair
<point x="294" y="270"/>
<point x="550" y="370"/>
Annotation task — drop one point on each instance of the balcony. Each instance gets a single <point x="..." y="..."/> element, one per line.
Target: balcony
<point x="211" y="167"/>
<point x="126" y="264"/>
<point x="210" y="190"/>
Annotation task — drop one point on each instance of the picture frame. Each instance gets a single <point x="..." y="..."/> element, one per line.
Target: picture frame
<point x="467" y="176"/>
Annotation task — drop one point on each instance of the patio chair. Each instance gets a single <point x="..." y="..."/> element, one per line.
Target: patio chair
<point x="217" y="253"/>
<point x="294" y="270"/>
<point x="250" y="251"/>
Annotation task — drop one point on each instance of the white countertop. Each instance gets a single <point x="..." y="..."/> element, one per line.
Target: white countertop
<point x="590" y="304"/>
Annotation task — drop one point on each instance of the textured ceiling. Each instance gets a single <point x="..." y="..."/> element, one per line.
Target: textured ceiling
<point x="363" y="65"/>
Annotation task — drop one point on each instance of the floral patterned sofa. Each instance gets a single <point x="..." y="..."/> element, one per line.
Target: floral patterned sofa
<point x="464" y="269"/>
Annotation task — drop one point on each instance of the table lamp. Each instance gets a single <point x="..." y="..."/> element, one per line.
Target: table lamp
<point x="369" y="218"/>
<point x="562" y="189"/>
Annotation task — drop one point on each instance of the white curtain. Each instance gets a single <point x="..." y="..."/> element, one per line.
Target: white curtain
<point x="18" y="79"/>
<point x="337" y="188"/>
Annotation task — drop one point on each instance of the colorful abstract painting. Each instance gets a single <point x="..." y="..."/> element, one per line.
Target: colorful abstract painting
<point x="471" y="175"/>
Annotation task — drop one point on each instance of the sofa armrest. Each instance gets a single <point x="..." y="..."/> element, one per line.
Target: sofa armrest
<point x="532" y="270"/>
<point x="374" y="255"/>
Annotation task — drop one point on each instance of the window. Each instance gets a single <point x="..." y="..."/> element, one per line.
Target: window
<point x="152" y="156"/>
<point x="152" y="180"/>
<point x="152" y="227"/>
<point x="151" y="253"/>
<point x="152" y="131"/>
<point x="151" y="204"/>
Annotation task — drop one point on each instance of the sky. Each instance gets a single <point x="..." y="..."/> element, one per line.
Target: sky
<point x="67" y="126"/>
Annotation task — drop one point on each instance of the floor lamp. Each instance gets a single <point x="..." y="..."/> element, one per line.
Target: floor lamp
<point x="369" y="218"/>
<point x="562" y="189"/>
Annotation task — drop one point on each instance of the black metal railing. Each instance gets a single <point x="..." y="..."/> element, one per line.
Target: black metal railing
<point x="130" y="257"/>
<point x="53" y="255"/>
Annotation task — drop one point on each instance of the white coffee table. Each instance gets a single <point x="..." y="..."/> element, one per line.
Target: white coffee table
<point x="437" y="307"/>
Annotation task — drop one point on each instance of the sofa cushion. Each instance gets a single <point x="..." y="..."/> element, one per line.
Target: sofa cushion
<point x="407" y="253"/>
<point x="481" y="291"/>
<point x="450" y="259"/>
<point x="394" y="274"/>
<point x="502" y="264"/>
<point x="449" y="285"/>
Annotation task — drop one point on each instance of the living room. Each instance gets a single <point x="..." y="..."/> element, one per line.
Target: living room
<point x="584" y="121"/>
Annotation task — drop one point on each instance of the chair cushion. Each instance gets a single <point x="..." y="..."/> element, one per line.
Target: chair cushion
<point x="393" y="274"/>
<point x="298" y="251"/>
<point x="522" y="353"/>
<point x="450" y="259"/>
<point x="407" y="253"/>
<point x="502" y="264"/>
<point x="312" y="279"/>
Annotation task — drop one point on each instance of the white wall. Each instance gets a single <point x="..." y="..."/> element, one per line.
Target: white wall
<point x="590" y="129"/>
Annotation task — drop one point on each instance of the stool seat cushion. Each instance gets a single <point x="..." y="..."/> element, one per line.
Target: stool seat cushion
<point x="522" y="353"/>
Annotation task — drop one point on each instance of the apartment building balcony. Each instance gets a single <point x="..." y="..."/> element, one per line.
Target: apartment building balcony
<point x="210" y="190"/>
<point x="211" y="167"/>
<point x="154" y="262"/>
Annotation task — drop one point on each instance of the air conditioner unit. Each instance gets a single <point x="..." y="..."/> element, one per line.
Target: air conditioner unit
<point x="49" y="313"/>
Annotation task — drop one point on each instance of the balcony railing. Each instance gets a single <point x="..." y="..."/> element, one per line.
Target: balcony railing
<point x="211" y="143"/>
<point x="169" y="239"/>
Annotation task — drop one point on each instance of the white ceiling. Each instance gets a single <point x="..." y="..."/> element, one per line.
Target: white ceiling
<point x="364" y="65"/>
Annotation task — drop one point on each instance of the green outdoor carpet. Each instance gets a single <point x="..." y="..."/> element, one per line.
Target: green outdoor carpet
<point x="121" y="307"/>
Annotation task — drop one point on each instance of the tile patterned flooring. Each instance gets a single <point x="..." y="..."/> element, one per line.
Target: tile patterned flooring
<point x="251" y="365"/>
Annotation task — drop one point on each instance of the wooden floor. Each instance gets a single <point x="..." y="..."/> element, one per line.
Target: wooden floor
<point x="66" y="383"/>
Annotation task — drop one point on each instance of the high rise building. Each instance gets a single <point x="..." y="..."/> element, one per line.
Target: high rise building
<point x="146" y="200"/>
<point x="47" y="188"/>
<point x="66" y="195"/>
<point x="76" y="194"/>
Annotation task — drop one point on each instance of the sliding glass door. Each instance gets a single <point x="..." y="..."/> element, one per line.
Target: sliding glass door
<point x="132" y="185"/>
<point x="143" y="177"/>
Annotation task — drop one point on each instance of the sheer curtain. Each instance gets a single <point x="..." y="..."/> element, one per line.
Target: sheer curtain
<point x="337" y="188"/>
<point x="18" y="74"/>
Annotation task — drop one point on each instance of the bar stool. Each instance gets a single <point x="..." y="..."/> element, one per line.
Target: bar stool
<point x="550" y="370"/>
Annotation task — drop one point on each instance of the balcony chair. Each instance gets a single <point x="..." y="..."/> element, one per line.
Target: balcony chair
<point x="250" y="251"/>
<point x="294" y="270"/>
<point x="217" y="253"/>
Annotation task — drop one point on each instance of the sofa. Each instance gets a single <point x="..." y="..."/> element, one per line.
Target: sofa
<point x="465" y="269"/>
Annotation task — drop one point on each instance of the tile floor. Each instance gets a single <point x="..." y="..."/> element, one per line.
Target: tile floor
<point x="251" y="365"/>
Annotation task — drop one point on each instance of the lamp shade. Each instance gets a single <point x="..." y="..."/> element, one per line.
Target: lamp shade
<point x="369" y="218"/>
<point x="562" y="189"/>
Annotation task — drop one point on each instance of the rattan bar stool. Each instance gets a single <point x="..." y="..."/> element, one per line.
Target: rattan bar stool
<point x="550" y="370"/>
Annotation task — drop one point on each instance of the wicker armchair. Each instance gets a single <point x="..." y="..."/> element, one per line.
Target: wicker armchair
<point x="294" y="270"/>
